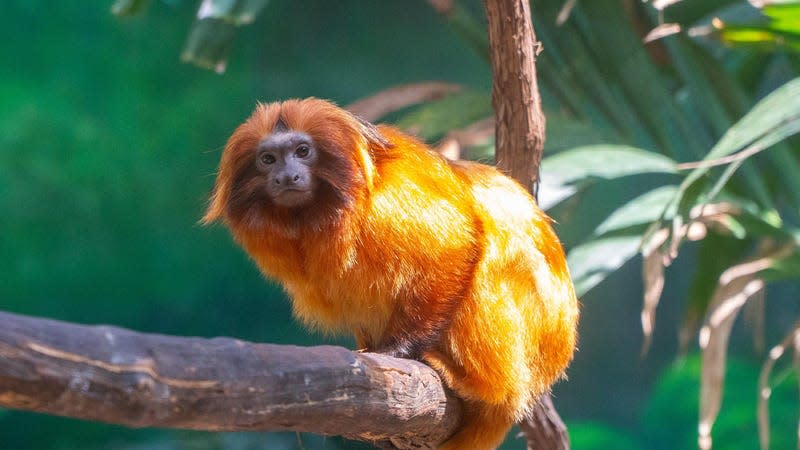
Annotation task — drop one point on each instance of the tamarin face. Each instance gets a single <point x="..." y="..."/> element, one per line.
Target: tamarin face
<point x="285" y="163"/>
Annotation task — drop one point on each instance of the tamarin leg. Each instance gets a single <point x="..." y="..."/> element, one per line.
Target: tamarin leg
<point x="407" y="337"/>
<point x="424" y="312"/>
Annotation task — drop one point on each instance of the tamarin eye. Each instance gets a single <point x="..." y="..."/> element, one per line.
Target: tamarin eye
<point x="302" y="150"/>
<point x="266" y="158"/>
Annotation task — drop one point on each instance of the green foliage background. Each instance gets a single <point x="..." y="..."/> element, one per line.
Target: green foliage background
<point x="108" y="147"/>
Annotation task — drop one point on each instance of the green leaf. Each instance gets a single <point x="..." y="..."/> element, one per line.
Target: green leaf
<point x="565" y="132"/>
<point x="567" y="172"/>
<point x="211" y="37"/>
<point x="644" y="209"/>
<point x="127" y="8"/>
<point x="592" y="262"/>
<point x="757" y="222"/>
<point x="630" y="74"/>
<point x="785" y="268"/>
<point x="770" y="121"/>
<point x="785" y="14"/>
<point x="432" y="120"/>
<point x="778" y="27"/>
<point x="765" y="37"/>
<point x="236" y="12"/>
<point x="208" y="44"/>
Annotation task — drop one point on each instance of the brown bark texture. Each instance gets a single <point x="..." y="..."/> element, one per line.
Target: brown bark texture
<point x="520" y="123"/>
<point x="519" y="143"/>
<point x="115" y="375"/>
<point x="543" y="429"/>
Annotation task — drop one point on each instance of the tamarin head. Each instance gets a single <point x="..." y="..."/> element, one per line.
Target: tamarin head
<point x="291" y="154"/>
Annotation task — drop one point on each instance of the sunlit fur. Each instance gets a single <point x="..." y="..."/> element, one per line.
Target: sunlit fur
<point x="413" y="255"/>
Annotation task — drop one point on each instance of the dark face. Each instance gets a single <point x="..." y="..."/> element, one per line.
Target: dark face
<point x="286" y="159"/>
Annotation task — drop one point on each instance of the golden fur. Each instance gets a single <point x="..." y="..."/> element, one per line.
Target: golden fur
<point x="412" y="253"/>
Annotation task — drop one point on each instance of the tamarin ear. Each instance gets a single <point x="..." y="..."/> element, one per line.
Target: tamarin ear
<point x="375" y="142"/>
<point x="371" y="133"/>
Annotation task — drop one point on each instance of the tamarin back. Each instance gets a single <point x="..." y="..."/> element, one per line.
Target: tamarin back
<point x="372" y="233"/>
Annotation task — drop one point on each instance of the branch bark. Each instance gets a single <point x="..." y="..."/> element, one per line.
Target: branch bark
<point x="520" y="123"/>
<point x="543" y="428"/>
<point x="519" y="143"/>
<point x="115" y="375"/>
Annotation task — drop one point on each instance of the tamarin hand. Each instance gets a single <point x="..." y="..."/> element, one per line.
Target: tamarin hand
<point x="372" y="233"/>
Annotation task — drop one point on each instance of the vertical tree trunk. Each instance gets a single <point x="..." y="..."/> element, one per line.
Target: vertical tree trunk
<point x="519" y="141"/>
<point x="544" y="429"/>
<point x="515" y="94"/>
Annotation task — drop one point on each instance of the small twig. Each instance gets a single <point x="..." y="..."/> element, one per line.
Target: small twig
<point x="475" y="134"/>
<point x="744" y="154"/>
<point x="398" y="97"/>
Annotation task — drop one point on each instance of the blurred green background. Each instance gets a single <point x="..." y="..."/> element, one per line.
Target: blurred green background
<point x="108" y="148"/>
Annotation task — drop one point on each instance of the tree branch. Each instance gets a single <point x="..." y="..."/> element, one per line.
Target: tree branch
<point x="115" y="375"/>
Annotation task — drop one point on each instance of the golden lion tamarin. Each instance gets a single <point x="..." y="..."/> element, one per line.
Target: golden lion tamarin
<point x="372" y="233"/>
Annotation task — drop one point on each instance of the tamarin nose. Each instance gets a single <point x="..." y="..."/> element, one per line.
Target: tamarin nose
<point x="287" y="179"/>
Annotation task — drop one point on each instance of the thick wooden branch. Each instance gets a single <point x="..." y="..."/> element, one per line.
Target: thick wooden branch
<point x="114" y="375"/>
